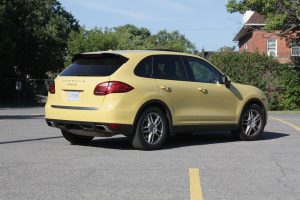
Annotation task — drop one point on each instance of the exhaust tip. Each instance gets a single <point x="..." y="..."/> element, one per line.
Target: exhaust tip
<point x="103" y="128"/>
<point x="50" y="123"/>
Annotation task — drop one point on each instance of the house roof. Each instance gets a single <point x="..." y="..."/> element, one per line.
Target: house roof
<point x="255" y="21"/>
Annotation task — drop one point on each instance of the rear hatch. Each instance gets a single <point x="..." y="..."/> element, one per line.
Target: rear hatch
<point x="74" y="87"/>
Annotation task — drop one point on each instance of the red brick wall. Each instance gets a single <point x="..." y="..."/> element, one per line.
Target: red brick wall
<point x="257" y="41"/>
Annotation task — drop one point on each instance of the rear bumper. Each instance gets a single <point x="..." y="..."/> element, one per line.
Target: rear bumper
<point x="91" y="128"/>
<point x="103" y="114"/>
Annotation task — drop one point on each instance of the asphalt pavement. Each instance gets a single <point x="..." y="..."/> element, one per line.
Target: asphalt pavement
<point x="37" y="163"/>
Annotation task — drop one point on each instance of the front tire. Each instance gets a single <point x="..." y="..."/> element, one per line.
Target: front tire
<point x="76" y="139"/>
<point x="151" y="130"/>
<point x="251" y="125"/>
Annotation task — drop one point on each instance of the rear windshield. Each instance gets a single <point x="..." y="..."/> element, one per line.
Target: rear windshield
<point x="94" y="65"/>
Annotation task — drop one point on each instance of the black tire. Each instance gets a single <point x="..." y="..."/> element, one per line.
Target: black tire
<point x="250" y="129"/>
<point x="142" y="140"/>
<point x="76" y="139"/>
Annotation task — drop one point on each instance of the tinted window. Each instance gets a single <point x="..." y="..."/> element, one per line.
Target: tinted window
<point x="95" y="65"/>
<point x="201" y="71"/>
<point x="168" y="67"/>
<point x="144" y="68"/>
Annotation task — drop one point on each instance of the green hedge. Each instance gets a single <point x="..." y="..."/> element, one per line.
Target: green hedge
<point x="280" y="82"/>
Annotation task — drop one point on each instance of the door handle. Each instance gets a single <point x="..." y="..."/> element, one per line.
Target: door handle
<point x="164" y="87"/>
<point x="204" y="90"/>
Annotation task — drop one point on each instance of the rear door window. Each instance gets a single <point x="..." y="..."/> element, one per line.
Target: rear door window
<point x="169" y="67"/>
<point x="94" y="65"/>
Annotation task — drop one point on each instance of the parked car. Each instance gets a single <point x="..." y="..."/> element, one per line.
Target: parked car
<point x="149" y="95"/>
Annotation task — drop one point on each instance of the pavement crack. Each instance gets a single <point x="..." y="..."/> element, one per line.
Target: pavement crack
<point x="280" y="168"/>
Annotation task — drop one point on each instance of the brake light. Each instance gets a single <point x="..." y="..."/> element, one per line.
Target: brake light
<point x="112" y="87"/>
<point x="51" y="88"/>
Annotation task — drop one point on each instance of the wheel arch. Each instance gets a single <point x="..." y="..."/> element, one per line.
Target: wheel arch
<point x="155" y="103"/>
<point x="254" y="101"/>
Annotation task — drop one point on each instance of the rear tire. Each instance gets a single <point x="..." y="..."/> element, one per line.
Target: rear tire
<point x="76" y="139"/>
<point x="251" y="125"/>
<point x="151" y="130"/>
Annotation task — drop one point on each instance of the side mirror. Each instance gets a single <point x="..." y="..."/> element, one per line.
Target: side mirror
<point x="226" y="81"/>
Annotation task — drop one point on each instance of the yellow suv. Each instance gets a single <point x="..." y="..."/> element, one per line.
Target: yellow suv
<point x="149" y="95"/>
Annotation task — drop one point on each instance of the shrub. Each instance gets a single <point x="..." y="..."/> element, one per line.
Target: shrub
<point x="279" y="82"/>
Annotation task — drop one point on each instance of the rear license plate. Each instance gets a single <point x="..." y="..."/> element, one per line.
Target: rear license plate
<point x="73" y="96"/>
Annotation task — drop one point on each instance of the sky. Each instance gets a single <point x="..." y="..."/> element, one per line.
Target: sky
<point x="206" y="23"/>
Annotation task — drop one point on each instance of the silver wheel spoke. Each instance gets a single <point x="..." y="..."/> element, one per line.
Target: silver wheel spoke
<point x="256" y="118"/>
<point x="248" y="130"/>
<point x="150" y="136"/>
<point x="150" y="119"/>
<point x="257" y="121"/>
<point x="249" y="116"/>
<point x="157" y="121"/>
<point x="255" y="128"/>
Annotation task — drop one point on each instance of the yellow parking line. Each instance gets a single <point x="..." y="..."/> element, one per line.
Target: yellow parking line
<point x="287" y="123"/>
<point x="195" y="185"/>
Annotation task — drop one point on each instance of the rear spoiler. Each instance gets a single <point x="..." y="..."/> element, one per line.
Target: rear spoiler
<point x="98" y="56"/>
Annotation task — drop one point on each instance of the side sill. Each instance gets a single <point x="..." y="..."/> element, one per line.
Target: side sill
<point x="194" y="128"/>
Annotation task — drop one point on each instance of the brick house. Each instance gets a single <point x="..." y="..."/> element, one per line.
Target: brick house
<point x="252" y="38"/>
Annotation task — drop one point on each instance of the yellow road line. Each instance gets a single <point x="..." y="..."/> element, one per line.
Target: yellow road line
<point x="195" y="185"/>
<point x="287" y="123"/>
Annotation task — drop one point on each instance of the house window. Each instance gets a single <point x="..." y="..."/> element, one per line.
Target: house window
<point x="295" y="50"/>
<point x="272" y="47"/>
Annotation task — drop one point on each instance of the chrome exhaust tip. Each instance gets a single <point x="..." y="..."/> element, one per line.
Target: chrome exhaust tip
<point x="103" y="128"/>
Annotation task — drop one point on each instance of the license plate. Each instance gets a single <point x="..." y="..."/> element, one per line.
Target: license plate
<point x="73" y="96"/>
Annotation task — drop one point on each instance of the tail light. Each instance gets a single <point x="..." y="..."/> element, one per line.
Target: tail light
<point x="51" y="88"/>
<point x="112" y="87"/>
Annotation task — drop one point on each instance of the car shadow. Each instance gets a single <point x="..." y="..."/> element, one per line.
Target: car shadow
<point x="30" y="140"/>
<point x="17" y="117"/>
<point x="205" y="138"/>
<point x="182" y="140"/>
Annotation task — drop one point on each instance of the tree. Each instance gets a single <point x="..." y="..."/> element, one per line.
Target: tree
<point x="227" y="49"/>
<point x="281" y="15"/>
<point x="131" y="37"/>
<point x="172" y="40"/>
<point x="90" y="40"/>
<point x="125" y="37"/>
<point x="34" y="36"/>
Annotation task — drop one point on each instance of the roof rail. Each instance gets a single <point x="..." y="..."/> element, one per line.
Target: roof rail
<point x="171" y="50"/>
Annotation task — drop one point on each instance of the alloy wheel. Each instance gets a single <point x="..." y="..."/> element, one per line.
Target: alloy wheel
<point x="251" y="122"/>
<point x="152" y="128"/>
